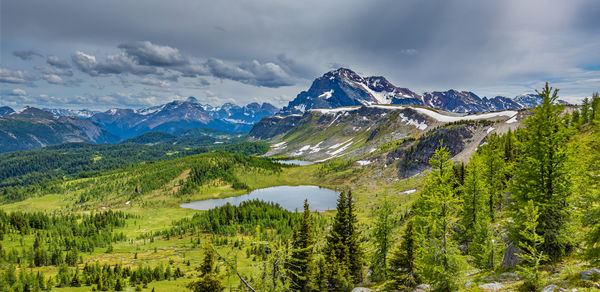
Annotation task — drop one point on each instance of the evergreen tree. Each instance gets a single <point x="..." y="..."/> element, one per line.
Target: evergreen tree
<point x="474" y="195"/>
<point x="493" y="172"/>
<point x="209" y="278"/>
<point x="532" y="256"/>
<point x="587" y="186"/>
<point x="343" y="255"/>
<point x="440" y="262"/>
<point x="487" y="246"/>
<point x="585" y="111"/>
<point x="208" y="263"/>
<point x="541" y="175"/>
<point x="355" y="256"/>
<point x="385" y="221"/>
<point x="403" y="270"/>
<point x="300" y="266"/>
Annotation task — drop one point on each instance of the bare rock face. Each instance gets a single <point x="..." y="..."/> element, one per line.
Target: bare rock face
<point x="511" y="256"/>
<point x="586" y="275"/>
<point x="492" y="286"/>
<point x="422" y="288"/>
<point x="550" y="288"/>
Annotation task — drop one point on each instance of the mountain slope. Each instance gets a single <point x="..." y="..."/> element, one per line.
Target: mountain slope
<point x="343" y="87"/>
<point x="33" y="128"/>
<point x="323" y="134"/>
<point x="4" y="110"/>
<point x="180" y="115"/>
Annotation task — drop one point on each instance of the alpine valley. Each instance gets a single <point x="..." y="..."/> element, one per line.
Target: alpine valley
<point x="355" y="185"/>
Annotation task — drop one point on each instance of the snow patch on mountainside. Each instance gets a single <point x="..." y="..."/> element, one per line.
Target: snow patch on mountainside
<point x="335" y="110"/>
<point x="420" y="126"/>
<point x="448" y="119"/>
<point x="327" y="95"/>
<point x="512" y="120"/>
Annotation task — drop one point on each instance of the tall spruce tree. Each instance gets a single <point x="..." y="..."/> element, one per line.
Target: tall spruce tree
<point x="342" y="250"/>
<point x="356" y="255"/>
<point x="493" y="172"/>
<point x="541" y="175"/>
<point x="532" y="256"/>
<point x="440" y="261"/>
<point x="300" y="267"/>
<point x="474" y="194"/>
<point x="385" y="221"/>
<point x="209" y="278"/>
<point x="403" y="269"/>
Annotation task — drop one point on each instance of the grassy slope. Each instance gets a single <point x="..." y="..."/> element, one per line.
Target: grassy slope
<point x="156" y="207"/>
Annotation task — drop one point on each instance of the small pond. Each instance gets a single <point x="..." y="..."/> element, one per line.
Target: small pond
<point x="295" y="162"/>
<point x="290" y="198"/>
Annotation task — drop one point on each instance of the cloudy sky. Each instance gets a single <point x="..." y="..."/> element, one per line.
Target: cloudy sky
<point x="115" y="53"/>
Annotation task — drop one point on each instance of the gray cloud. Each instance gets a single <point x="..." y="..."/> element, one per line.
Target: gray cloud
<point x="53" y="71"/>
<point x="155" y="82"/>
<point x="145" y="58"/>
<point x="26" y="55"/>
<point x="266" y="74"/>
<point x="57" y="62"/>
<point x="489" y="47"/>
<point x="59" y="80"/>
<point x="18" y="92"/>
<point x="147" y="53"/>
<point x="113" y="64"/>
<point x="16" y="76"/>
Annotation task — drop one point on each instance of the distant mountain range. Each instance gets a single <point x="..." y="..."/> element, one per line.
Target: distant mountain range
<point x="33" y="128"/>
<point x="174" y="116"/>
<point x="343" y="87"/>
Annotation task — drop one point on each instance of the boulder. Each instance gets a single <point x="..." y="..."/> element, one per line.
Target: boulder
<point x="495" y="286"/>
<point x="509" y="276"/>
<point x="586" y="275"/>
<point x="511" y="256"/>
<point x="550" y="288"/>
<point x="422" y="287"/>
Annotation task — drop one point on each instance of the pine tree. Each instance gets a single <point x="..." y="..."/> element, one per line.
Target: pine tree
<point x="355" y="256"/>
<point x="385" y="221"/>
<point x="587" y="186"/>
<point x="440" y="262"/>
<point x="342" y="251"/>
<point x="532" y="256"/>
<point x="493" y="172"/>
<point x="474" y="194"/>
<point x="487" y="246"/>
<point x="541" y="174"/>
<point x="403" y="270"/>
<point x="585" y="111"/>
<point x="208" y="263"/>
<point x="300" y="266"/>
<point x="209" y="278"/>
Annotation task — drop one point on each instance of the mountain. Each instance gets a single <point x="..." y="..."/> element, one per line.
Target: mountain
<point x="4" y="110"/>
<point x="343" y="87"/>
<point x="179" y="115"/>
<point x="33" y="128"/>
<point x="83" y="113"/>
<point x="372" y="133"/>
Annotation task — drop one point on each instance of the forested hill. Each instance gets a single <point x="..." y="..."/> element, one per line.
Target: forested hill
<point x="35" y="168"/>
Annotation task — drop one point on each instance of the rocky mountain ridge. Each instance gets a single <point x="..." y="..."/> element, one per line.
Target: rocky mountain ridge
<point x="344" y="87"/>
